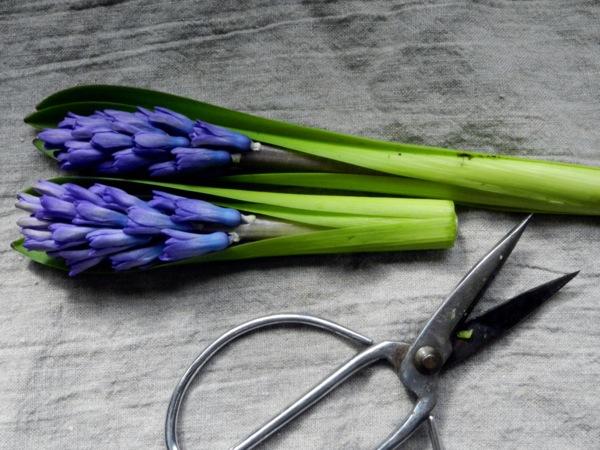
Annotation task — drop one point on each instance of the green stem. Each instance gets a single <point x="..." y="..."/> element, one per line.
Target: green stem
<point x="275" y="159"/>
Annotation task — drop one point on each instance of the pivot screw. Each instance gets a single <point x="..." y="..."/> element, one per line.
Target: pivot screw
<point x="428" y="360"/>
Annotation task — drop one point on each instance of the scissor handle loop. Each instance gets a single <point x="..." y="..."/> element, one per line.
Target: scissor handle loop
<point x="276" y="319"/>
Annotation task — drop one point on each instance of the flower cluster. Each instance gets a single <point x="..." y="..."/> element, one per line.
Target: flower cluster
<point x="161" y="142"/>
<point x="102" y="223"/>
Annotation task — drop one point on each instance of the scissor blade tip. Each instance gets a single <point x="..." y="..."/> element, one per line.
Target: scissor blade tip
<point x="568" y="277"/>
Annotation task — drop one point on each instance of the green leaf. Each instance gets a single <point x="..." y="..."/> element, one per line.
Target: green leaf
<point x="39" y="144"/>
<point x="39" y="257"/>
<point x="51" y="116"/>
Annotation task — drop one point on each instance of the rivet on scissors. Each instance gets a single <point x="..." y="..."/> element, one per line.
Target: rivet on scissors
<point x="428" y="359"/>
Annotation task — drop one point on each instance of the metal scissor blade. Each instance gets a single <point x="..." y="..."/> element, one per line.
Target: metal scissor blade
<point x="439" y="330"/>
<point x="498" y="320"/>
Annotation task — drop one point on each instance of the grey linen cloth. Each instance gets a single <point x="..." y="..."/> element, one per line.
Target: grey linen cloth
<point x="91" y="362"/>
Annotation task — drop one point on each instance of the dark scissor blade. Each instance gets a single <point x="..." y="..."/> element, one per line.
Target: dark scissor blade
<point x="478" y="332"/>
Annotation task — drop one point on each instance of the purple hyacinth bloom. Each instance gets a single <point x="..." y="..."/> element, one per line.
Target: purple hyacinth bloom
<point x="182" y="245"/>
<point x="88" y="213"/>
<point x="89" y="226"/>
<point x="139" y="257"/>
<point x="159" y="141"/>
<point x="209" y="135"/>
<point x="191" y="210"/>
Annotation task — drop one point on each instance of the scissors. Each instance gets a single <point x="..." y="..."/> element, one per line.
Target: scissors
<point x="447" y="338"/>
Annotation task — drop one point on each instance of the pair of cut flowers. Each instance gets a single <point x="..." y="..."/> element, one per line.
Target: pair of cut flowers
<point x="161" y="135"/>
<point x="81" y="226"/>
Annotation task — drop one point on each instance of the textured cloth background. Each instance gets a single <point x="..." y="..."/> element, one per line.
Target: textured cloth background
<point x="91" y="362"/>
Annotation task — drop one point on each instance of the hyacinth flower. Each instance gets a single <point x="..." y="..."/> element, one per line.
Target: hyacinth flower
<point x="477" y="179"/>
<point x="80" y="224"/>
<point x="160" y="143"/>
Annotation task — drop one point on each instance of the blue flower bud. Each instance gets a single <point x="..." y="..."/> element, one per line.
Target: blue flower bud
<point x="55" y="208"/>
<point x="108" y="237"/>
<point x="38" y="240"/>
<point x="91" y="121"/>
<point x="151" y="140"/>
<point x="37" y="235"/>
<point x="124" y="161"/>
<point x="182" y="245"/>
<point x="164" y="201"/>
<point x="112" y="140"/>
<point x="49" y="188"/>
<point x="107" y="251"/>
<point x="209" y="135"/>
<point x="150" y="221"/>
<point x="190" y="210"/>
<point x="80" y="158"/>
<point x="79" y="260"/>
<point x="67" y="122"/>
<point x="29" y="203"/>
<point x="124" y="116"/>
<point x="163" y="169"/>
<point x="33" y="222"/>
<point x="88" y="131"/>
<point x="64" y="233"/>
<point x="132" y="128"/>
<point x="55" y="137"/>
<point x="171" y="121"/>
<point x="199" y="158"/>
<point x="75" y="192"/>
<point x="39" y="246"/>
<point x="115" y="198"/>
<point x="139" y="257"/>
<point x="88" y="213"/>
